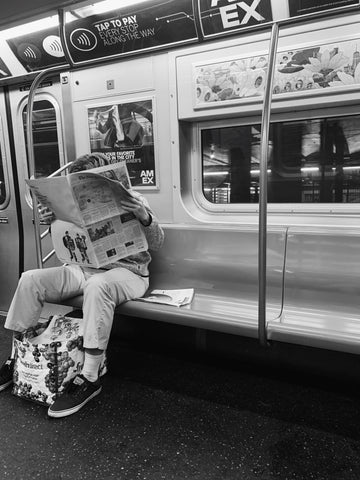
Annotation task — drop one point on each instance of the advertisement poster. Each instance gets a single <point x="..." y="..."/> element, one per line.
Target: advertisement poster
<point x="134" y="28"/>
<point x="222" y="17"/>
<point x="39" y="49"/>
<point x="299" y="70"/>
<point x="4" y="71"/>
<point x="124" y="131"/>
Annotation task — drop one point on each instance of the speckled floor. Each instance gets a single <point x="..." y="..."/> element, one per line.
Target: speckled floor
<point x="174" y="419"/>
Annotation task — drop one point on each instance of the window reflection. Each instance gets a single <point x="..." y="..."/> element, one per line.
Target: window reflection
<point x="45" y="138"/>
<point x="310" y="161"/>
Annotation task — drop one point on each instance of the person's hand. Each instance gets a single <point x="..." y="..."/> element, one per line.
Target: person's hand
<point x="46" y="215"/>
<point x="136" y="206"/>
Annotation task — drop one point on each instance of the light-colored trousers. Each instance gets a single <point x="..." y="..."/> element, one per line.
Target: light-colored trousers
<point x="102" y="290"/>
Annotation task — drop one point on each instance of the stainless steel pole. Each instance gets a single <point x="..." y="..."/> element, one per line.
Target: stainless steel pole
<point x="31" y="155"/>
<point x="264" y="154"/>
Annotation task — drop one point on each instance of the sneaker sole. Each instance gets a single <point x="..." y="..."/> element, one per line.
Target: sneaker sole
<point x="70" y="411"/>
<point x="5" y="385"/>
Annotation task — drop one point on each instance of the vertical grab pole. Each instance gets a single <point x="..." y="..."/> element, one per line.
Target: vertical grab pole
<point x="30" y="142"/>
<point x="31" y="155"/>
<point x="265" y="125"/>
<point x="31" y="160"/>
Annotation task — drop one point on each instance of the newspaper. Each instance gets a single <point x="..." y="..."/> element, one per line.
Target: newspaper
<point x="91" y="227"/>
<point x="176" y="298"/>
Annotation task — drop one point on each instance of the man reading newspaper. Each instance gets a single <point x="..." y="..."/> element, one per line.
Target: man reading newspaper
<point x="103" y="288"/>
<point x="92" y="227"/>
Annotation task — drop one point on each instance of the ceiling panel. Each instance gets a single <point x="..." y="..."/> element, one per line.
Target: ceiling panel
<point x="15" y="11"/>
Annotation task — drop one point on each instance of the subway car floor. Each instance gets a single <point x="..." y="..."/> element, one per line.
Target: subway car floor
<point x="174" y="417"/>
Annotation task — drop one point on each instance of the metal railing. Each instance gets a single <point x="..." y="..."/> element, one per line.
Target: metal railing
<point x="31" y="155"/>
<point x="264" y="156"/>
<point x="265" y="126"/>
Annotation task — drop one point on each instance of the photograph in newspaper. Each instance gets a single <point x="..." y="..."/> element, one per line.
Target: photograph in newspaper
<point x="100" y="243"/>
<point x="72" y="244"/>
<point x="125" y="131"/>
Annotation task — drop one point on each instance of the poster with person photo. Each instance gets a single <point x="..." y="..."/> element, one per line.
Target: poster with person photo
<point x="125" y="131"/>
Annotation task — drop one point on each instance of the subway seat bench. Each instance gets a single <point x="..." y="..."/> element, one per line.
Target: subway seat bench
<point x="312" y="283"/>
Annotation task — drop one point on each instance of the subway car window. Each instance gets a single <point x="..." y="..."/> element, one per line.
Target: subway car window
<point x="45" y="138"/>
<point x="310" y="161"/>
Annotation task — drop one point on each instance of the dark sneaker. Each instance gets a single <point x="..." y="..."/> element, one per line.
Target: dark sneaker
<point x="79" y="391"/>
<point x="6" y="374"/>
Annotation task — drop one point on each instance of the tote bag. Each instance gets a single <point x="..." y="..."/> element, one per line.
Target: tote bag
<point x="47" y="357"/>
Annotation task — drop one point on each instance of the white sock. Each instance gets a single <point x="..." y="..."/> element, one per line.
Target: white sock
<point x="91" y="366"/>
<point x="12" y="355"/>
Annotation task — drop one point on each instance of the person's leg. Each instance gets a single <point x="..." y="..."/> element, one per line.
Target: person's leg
<point x="102" y="292"/>
<point x="35" y="287"/>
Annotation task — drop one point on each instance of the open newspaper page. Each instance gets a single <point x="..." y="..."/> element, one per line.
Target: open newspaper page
<point x="115" y="171"/>
<point x="97" y="196"/>
<point x="176" y="298"/>
<point x="99" y="243"/>
<point x="56" y="194"/>
<point x="106" y="233"/>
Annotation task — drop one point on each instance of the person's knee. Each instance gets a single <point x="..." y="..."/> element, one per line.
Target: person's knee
<point x="96" y="286"/>
<point x="28" y="278"/>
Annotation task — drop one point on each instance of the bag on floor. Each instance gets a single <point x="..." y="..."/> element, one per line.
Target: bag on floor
<point x="47" y="357"/>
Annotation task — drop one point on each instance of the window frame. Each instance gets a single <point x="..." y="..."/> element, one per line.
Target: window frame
<point x="196" y="165"/>
<point x="59" y="129"/>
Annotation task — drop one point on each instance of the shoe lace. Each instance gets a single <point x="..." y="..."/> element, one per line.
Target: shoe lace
<point x="76" y="389"/>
